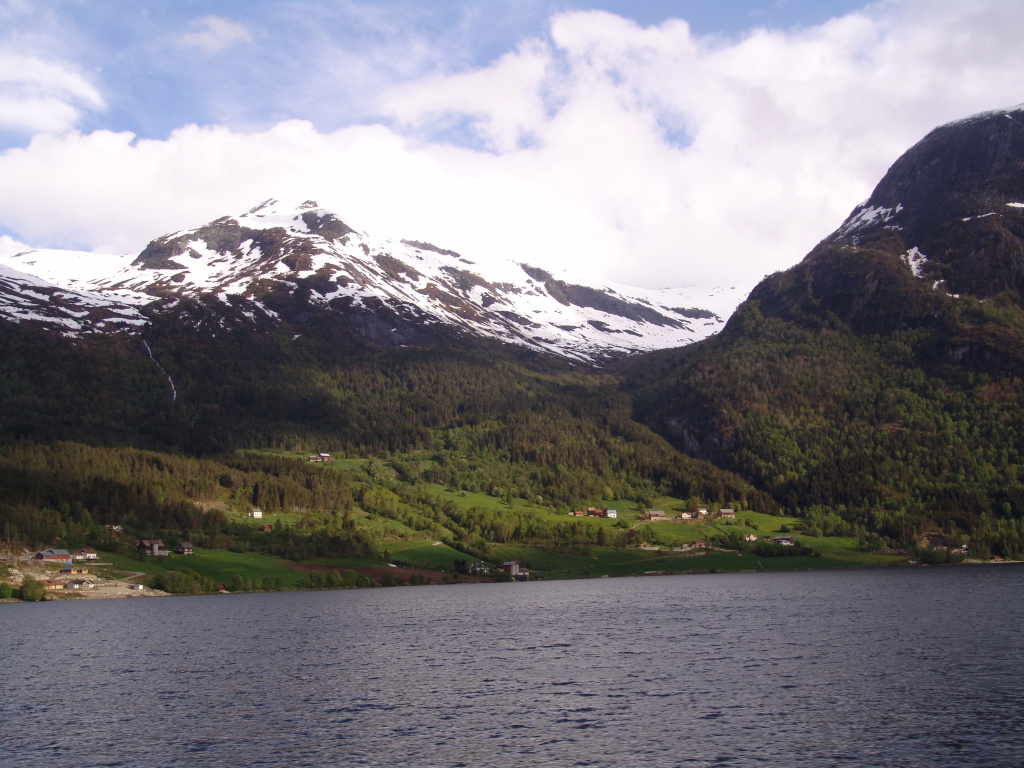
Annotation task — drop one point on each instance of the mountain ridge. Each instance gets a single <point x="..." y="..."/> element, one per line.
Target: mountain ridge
<point x="281" y="260"/>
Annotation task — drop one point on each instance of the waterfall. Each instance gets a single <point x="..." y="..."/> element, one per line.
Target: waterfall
<point x="174" y="391"/>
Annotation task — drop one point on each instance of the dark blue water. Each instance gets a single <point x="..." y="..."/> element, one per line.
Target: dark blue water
<point x="910" y="667"/>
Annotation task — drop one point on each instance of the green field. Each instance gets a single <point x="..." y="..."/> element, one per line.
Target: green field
<point x="218" y="565"/>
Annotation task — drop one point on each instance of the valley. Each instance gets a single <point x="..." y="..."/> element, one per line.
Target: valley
<point x="865" y="402"/>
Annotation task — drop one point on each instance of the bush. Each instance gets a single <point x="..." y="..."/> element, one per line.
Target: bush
<point x="183" y="581"/>
<point x="6" y="591"/>
<point x="31" y="591"/>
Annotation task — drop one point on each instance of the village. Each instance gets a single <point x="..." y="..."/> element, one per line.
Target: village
<point x="686" y="516"/>
<point x="78" y="574"/>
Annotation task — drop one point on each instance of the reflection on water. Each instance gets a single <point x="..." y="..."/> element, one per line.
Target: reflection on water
<point x="860" y="668"/>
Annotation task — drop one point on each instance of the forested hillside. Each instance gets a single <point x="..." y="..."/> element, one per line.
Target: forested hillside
<point x="878" y="383"/>
<point x="163" y="438"/>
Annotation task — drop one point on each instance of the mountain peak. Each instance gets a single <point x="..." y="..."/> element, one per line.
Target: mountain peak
<point x="961" y="170"/>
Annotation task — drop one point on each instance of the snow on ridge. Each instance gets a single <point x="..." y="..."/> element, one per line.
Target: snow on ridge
<point x="25" y="297"/>
<point x="864" y="216"/>
<point x="498" y="299"/>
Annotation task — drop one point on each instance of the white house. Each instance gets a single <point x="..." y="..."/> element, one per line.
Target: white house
<point x="611" y="513"/>
<point x="256" y="513"/>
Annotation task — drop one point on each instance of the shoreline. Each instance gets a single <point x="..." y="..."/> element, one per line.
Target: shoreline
<point x="120" y="589"/>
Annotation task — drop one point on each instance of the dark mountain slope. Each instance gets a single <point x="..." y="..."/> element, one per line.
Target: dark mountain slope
<point x="201" y="382"/>
<point x="880" y="379"/>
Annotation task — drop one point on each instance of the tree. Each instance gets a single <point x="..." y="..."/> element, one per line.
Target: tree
<point x="31" y="591"/>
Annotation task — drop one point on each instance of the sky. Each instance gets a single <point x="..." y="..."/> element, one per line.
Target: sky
<point x="660" y="144"/>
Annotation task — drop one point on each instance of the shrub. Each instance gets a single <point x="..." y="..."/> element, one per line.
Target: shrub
<point x="31" y="591"/>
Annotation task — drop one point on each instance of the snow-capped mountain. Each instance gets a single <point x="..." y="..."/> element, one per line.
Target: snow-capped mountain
<point x="277" y="259"/>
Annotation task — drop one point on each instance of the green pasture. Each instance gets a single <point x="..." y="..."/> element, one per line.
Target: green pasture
<point x="219" y="565"/>
<point x="420" y="554"/>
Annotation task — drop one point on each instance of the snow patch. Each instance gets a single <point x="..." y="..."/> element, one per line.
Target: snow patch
<point x="915" y="260"/>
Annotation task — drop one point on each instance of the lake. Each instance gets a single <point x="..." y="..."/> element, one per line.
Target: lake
<point x="879" y="667"/>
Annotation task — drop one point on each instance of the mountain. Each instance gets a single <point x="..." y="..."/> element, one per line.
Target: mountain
<point x="877" y="386"/>
<point x="286" y="263"/>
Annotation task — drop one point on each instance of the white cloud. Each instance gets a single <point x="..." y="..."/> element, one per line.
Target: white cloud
<point x="37" y="95"/>
<point x="213" y="34"/>
<point x="9" y="246"/>
<point x="647" y="155"/>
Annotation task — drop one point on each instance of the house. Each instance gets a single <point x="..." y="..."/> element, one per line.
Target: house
<point x="699" y="544"/>
<point x="185" y="548"/>
<point x="319" y="457"/>
<point x="511" y="567"/>
<point x="611" y="514"/>
<point x="54" y="556"/>
<point x="750" y="537"/>
<point x="266" y="528"/>
<point x="702" y="512"/>
<point x="256" y="513"/>
<point x="786" y="541"/>
<point x="85" y="554"/>
<point x="114" y="528"/>
<point x="153" y="547"/>
<point x="654" y="515"/>
<point x="51" y="584"/>
<point x="727" y="514"/>
<point x="577" y="513"/>
<point x="74" y="570"/>
<point x="136" y="587"/>
<point x="684" y="516"/>
<point x="80" y="584"/>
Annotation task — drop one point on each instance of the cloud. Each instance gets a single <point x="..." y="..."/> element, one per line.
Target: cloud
<point x="9" y="246"/>
<point x="38" y="95"/>
<point x="213" y="34"/>
<point x="648" y="155"/>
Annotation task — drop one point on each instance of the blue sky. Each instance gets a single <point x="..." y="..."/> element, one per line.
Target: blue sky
<point x="658" y="143"/>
